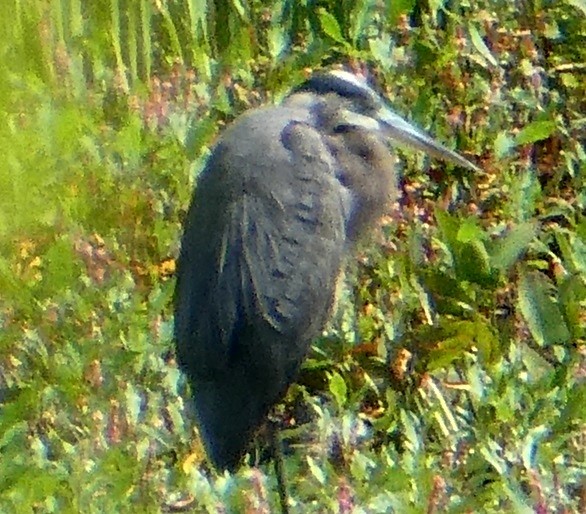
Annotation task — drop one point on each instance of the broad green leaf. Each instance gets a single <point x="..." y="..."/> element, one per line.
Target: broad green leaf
<point x="576" y="405"/>
<point x="473" y="264"/>
<point x="440" y="283"/>
<point x="578" y="4"/>
<point x="525" y="195"/>
<point x="503" y="144"/>
<point x="457" y="338"/>
<point x="507" y="251"/>
<point x="277" y="41"/>
<point x="536" y="131"/>
<point x="381" y="49"/>
<point x="539" y="307"/>
<point x="338" y="389"/>
<point x="330" y="26"/>
<point x="470" y="231"/>
<point x="398" y="8"/>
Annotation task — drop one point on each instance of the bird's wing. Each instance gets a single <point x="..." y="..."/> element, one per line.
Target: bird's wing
<point x="262" y="249"/>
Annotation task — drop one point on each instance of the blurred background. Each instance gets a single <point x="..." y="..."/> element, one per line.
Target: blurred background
<point x="453" y="379"/>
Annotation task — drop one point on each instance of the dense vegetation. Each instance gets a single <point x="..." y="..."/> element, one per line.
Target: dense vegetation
<point x="453" y="378"/>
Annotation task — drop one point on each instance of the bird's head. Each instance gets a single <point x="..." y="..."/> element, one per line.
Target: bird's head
<point x="345" y="102"/>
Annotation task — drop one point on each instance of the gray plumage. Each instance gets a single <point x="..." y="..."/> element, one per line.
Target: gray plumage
<point x="286" y="193"/>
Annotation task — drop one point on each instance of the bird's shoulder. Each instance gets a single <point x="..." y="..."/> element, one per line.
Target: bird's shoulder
<point x="254" y="144"/>
<point x="266" y="121"/>
<point x="269" y="153"/>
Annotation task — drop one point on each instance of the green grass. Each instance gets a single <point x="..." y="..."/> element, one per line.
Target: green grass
<point x="453" y="379"/>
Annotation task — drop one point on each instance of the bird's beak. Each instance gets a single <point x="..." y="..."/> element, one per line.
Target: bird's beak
<point x="401" y="131"/>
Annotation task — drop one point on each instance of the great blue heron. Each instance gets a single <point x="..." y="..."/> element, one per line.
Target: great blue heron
<point x="286" y="193"/>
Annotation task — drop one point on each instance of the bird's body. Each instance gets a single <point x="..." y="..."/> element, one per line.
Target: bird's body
<point x="286" y="193"/>
<point x="275" y="242"/>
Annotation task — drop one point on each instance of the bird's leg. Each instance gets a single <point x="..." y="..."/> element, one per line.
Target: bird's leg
<point x="273" y="428"/>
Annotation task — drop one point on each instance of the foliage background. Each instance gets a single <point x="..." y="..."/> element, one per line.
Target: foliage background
<point x="454" y="378"/>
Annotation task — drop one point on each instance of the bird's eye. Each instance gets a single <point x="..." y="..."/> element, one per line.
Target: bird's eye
<point x="365" y="152"/>
<point x="343" y="128"/>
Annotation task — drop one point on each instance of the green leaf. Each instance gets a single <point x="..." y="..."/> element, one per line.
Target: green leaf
<point x="198" y="136"/>
<point x="579" y="254"/>
<point x="316" y="470"/>
<point x="381" y="49"/>
<point x="360" y="19"/>
<point x="507" y="251"/>
<point x="411" y="431"/>
<point x="457" y="338"/>
<point x="572" y="295"/>
<point x="503" y="143"/>
<point x="61" y="265"/>
<point x="398" y="8"/>
<point x="338" y="389"/>
<point x="449" y="227"/>
<point x="330" y="26"/>
<point x="470" y="231"/>
<point x="480" y="45"/>
<point x="575" y="405"/>
<point x="439" y="283"/>
<point x="536" y="131"/>
<point x="197" y="16"/>
<point x="239" y="8"/>
<point x="541" y="311"/>
<point x="492" y="452"/>
<point x="473" y="264"/>
<point x="525" y="195"/>
<point x="578" y="4"/>
<point x="277" y="41"/>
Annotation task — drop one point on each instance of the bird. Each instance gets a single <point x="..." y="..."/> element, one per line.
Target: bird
<point x="286" y="194"/>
